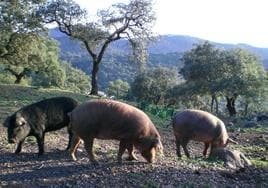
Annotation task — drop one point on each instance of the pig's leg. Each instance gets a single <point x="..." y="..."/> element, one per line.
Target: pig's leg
<point x="89" y="148"/>
<point x="122" y="148"/>
<point x="73" y="146"/>
<point x="206" y="149"/>
<point x="131" y="154"/>
<point x="184" y="146"/>
<point x="18" y="150"/>
<point x="178" y="147"/>
<point x="40" y="141"/>
<point x="70" y="137"/>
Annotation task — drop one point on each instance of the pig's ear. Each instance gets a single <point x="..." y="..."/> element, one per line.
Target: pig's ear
<point x="20" y="121"/>
<point x="6" y="122"/>
<point x="231" y="141"/>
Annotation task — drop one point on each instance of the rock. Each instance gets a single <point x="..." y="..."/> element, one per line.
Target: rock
<point x="233" y="159"/>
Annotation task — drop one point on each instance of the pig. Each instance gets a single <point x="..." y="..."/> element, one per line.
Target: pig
<point x="233" y="159"/>
<point x="110" y="119"/>
<point x="38" y="118"/>
<point x="200" y="126"/>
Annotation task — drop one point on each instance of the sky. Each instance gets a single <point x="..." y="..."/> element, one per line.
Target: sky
<point x="224" y="21"/>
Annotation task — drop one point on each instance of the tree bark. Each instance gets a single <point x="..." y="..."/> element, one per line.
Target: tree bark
<point x="212" y="103"/>
<point x="246" y="109"/>
<point x="217" y="105"/>
<point x="231" y="105"/>
<point x="94" y="78"/>
<point x="18" y="78"/>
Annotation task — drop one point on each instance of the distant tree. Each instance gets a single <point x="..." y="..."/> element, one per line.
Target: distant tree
<point x="210" y="71"/>
<point x="24" y="55"/>
<point x="76" y="80"/>
<point x="33" y="55"/>
<point x="17" y="17"/>
<point x="244" y="76"/>
<point x="203" y="68"/>
<point x="118" y="88"/>
<point x="152" y="85"/>
<point x="185" y="94"/>
<point x="5" y="77"/>
<point x="132" y="22"/>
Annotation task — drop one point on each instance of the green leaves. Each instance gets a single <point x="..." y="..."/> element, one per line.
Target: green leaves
<point x="152" y="85"/>
<point x="216" y="72"/>
<point x="118" y="88"/>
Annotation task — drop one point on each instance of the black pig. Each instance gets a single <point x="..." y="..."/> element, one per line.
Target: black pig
<point x="37" y="119"/>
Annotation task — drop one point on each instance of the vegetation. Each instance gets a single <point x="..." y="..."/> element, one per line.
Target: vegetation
<point x="132" y="22"/>
<point x="219" y="73"/>
<point x="152" y="85"/>
<point x="118" y="88"/>
<point x="18" y="20"/>
<point x="76" y="80"/>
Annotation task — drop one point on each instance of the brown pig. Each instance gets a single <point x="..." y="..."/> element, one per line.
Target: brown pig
<point x="200" y="126"/>
<point x="109" y="119"/>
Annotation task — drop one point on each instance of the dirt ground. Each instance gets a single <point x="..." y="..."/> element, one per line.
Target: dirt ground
<point x="56" y="169"/>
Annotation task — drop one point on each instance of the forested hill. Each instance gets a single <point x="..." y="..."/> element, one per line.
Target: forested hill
<point x="166" y="51"/>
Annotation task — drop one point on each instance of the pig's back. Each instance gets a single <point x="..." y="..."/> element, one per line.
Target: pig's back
<point x="197" y="124"/>
<point x="108" y="119"/>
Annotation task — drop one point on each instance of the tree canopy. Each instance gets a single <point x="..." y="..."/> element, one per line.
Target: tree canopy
<point x="132" y="22"/>
<point x="217" y="72"/>
<point x="152" y="85"/>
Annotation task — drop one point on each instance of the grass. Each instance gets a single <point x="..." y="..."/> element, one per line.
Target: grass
<point x="260" y="163"/>
<point x="13" y="97"/>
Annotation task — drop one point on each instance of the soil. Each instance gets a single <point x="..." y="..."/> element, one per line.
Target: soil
<point x="56" y="168"/>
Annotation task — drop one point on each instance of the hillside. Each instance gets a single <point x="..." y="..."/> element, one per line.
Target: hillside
<point x="165" y="52"/>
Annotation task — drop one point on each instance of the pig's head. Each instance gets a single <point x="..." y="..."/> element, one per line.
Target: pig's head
<point x="148" y="148"/>
<point x="219" y="143"/>
<point x="17" y="128"/>
<point x="222" y="143"/>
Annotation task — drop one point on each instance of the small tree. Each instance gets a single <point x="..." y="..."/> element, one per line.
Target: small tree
<point x="203" y="68"/>
<point x="132" y="22"/>
<point x="210" y="71"/>
<point x="118" y="88"/>
<point x="76" y="80"/>
<point x="152" y="85"/>
<point x="244" y="76"/>
<point x="33" y="55"/>
<point x="17" y="17"/>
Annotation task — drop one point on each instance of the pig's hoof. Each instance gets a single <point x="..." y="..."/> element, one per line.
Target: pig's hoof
<point x="131" y="158"/>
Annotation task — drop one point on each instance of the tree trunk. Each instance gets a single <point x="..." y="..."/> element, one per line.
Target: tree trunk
<point x="246" y="109"/>
<point x="217" y="105"/>
<point x="231" y="105"/>
<point x="212" y="103"/>
<point x="94" y="78"/>
<point x="18" y="78"/>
